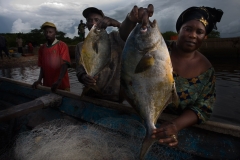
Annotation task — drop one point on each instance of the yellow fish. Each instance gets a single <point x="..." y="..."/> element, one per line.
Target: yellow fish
<point x="95" y="54"/>
<point x="96" y="51"/>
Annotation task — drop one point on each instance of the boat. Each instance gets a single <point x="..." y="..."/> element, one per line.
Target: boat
<point x="212" y="140"/>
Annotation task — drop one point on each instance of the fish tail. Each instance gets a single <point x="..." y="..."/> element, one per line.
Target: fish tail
<point x="95" y="88"/>
<point x="146" y="145"/>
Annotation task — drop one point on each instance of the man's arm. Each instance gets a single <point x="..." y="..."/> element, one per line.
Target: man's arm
<point x="63" y="71"/>
<point x="107" y="21"/>
<point x="39" y="81"/>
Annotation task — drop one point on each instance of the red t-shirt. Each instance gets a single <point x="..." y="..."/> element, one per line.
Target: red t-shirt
<point x="50" y="59"/>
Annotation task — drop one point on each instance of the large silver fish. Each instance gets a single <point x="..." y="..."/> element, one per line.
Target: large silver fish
<point x="95" y="54"/>
<point x="146" y="77"/>
<point x="96" y="51"/>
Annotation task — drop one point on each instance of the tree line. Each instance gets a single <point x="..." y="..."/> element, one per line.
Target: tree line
<point x="36" y="37"/>
<point x="167" y="35"/>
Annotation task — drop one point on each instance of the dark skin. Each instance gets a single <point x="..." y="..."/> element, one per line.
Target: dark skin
<point x="137" y="15"/>
<point x="100" y="22"/>
<point x="186" y="60"/>
<point x="50" y="34"/>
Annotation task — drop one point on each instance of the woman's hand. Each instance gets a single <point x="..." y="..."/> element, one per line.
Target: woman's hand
<point x="166" y="134"/>
<point x="106" y="21"/>
<point x="137" y="15"/>
<point x="141" y="15"/>
<point x="34" y="85"/>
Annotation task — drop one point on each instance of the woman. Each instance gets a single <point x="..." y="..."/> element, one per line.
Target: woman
<point x="193" y="73"/>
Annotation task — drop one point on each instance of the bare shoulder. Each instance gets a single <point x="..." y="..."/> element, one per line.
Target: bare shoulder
<point x="204" y="63"/>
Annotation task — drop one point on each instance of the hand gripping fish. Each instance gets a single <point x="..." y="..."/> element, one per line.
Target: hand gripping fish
<point x="95" y="53"/>
<point x="146" y="77"/>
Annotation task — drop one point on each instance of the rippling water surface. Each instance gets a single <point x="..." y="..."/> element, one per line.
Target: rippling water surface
<point x="227" y="106"/>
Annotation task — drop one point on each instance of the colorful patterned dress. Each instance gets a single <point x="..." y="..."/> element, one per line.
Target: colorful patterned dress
<point x="197" y="94"/>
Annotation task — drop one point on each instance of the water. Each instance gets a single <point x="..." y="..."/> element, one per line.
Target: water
<point x="227" y="106"/>
<point x="30" y="75"/>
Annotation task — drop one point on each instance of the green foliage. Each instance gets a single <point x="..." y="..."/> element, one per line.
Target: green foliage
<point x="36" y="37"/>
<point x="167" y="35"/>
<point x="214" y="34"/>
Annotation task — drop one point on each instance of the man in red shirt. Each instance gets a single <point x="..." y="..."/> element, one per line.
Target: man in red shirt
<point x="54" y="59"/>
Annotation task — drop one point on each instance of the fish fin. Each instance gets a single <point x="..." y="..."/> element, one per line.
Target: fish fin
<point x="85" y="90"/>
<point x="145" y="63"/>
<point x="146" y="145"/>
<point x="95" y="46"/>
<point x="175" y="98"/>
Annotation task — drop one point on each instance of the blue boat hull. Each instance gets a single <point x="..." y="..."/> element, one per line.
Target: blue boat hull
<point x="212" y="141"/>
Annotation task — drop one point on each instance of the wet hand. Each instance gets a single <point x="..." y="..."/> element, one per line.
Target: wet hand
<point x="88" y="80"/>
<point x="141" y="15"/>
<point x="166" y="134"/>
<point x="34" y="85"/>
<point x="106" y="21"/>
<point x="55" y="85"/>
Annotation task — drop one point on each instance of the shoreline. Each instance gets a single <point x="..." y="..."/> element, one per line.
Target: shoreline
<point x="23" y="61"/>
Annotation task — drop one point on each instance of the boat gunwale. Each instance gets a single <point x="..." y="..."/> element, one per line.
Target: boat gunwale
<point x="218" y="127"/>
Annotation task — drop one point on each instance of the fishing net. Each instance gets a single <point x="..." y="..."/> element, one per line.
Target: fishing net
<point x="110" y="139"/>
<point x="60" y="139"/>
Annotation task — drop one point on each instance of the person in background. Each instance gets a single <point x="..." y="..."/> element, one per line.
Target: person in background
<point x="193" y="74"/>
<point x="81" y="30"/>
<point x="169" y="45"/>
<point x="19" y="44"/>
<point x="30" y="47"/>
<point x="53" y="60"/>
<point x="3" y="46"/>
<point x="108" y="80"/>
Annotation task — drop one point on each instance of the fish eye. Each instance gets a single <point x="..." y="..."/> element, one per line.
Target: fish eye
<point x="143" y="30"/>
<point x="98" y="30"/>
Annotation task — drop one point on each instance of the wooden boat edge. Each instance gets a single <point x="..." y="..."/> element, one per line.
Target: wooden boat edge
<point x="218" y="127"/>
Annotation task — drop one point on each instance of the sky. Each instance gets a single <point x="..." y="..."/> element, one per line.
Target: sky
<point x="24" y="15"/>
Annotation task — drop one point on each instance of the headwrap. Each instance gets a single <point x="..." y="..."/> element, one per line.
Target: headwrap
<point x="48" y="24"/>
<point x="208" y="16"/>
